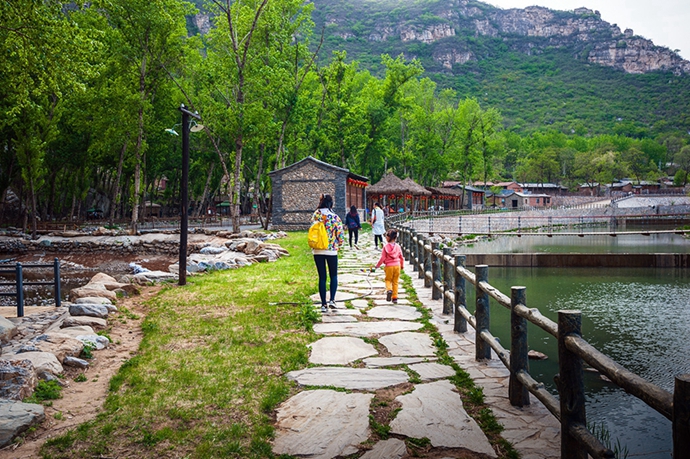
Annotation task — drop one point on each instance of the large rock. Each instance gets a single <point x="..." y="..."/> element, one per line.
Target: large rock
<point x="91" y="310"/>
<point x="7" y="330"/>
<point x="95" y="323"/>
<point x="154" y="276"/>
<point x="78" y="330"/>
<point x="59" y="344"/>
<point x="92" y="290"/>
<point x="95" y="341"/>
<point x="43" y="362"/>
<point x="102" y="278"/>
<point x="93" y="300"/>
<point x="17" y="379"/>
<point x="16" y="418"/>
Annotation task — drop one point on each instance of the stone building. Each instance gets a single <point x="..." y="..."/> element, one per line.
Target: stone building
<point x="298" y="187"/>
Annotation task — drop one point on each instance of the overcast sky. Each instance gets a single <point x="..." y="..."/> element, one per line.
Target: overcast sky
<point x="665" y="22"/>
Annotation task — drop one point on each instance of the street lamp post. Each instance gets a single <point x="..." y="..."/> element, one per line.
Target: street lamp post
<point x="184" y="191"/>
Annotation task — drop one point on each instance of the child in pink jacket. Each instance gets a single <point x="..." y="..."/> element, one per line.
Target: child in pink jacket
<point x="393" y="260"/>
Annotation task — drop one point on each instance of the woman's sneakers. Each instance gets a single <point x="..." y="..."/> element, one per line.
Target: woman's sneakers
<point x="324" y="309"/>
<point x="331" y="304"/>
<point x="389" y="295"/>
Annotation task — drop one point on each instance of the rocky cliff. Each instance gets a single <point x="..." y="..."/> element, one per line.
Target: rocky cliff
<point x="448" y="26"/>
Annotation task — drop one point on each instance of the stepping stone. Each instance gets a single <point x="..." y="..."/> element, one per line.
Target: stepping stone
<point x="408" y="344"/>
<point x="366" y="328"/>
<point x="339" y="297"/>
<point x="446" y="422"/>
<point x="348" y="378"/>
<point x="339" y="350"/>
<point x="336" y="317"/>
<point x="354" y="277"/>
<point x="384" y="302"/>
<point x="361" y="304"/>
<point x="378" y="362"/>
<point x="322" y="424"/>
<point x="395" y="312"/>
<point x="429" y="370"/>
<point x="387" y="449"/>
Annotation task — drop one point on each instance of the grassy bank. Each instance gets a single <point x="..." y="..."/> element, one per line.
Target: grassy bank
<point x="206" y="379"/>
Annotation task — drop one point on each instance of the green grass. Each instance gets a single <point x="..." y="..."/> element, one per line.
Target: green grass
<point x="207" y="376"/>
<point x="45" y="390"/>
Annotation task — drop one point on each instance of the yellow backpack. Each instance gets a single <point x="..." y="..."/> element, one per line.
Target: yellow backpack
<point x="317" y="236"/>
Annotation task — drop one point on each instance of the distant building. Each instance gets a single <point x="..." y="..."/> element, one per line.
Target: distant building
<point x="298" y="187"/>
<point x="547" y="188"/>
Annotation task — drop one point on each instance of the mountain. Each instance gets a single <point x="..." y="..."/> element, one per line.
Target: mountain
<point x="448" y="32"/>
<point x="571" y="71"/>
<point x="566" y="70"/>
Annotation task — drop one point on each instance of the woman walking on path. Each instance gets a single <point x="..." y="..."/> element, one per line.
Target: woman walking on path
<point x="377" y="226"/>
<point x="393" y="260"/>
<point x="329" y="256"/>
<point x="353" y="225"/>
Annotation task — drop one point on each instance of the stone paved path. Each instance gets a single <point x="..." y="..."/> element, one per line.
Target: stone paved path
<point x="371" y="345"/>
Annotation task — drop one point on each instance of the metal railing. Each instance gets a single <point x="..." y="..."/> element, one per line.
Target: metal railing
<point x="18" y="271"/>
<point x="445" y="273"/>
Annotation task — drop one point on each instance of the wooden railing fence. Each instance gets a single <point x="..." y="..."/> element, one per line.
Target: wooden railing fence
<point x="18" y="271"/>
<point x="445" y="273"/>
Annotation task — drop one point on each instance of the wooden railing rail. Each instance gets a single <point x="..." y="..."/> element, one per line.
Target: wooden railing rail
<point x="445" y="273"/>
<point x="18" y="271"/>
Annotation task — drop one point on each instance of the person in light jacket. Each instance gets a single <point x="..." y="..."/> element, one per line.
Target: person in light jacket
<point x="377" y="225"/>
<point x="393" y="260"/>
<point x="329" y="256"/>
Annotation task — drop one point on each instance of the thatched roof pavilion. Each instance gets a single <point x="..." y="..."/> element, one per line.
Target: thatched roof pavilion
<point x="396" y="193"/>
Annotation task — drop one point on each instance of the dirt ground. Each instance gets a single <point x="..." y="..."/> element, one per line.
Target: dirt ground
<point x="81" y="401"/>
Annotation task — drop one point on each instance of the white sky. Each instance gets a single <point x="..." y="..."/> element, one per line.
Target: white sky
<point x="665" y="22"/>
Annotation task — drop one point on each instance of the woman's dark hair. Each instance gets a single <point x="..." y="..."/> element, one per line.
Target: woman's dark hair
<point x="326" y="202"/>
<point x="353" y="210"/>
<point x="376" y="204"/>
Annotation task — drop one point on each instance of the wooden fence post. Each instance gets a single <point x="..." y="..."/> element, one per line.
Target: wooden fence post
<point x="422" y="259"/>
<point x="436" y="272"/>
<point x="427" y="265"/>
<point x="20" y="290"/>
<point x="571" y="387"/>
<point x="460" y="324"/>
<point x="517" y="392"/>
<point x="482" y="313"/>
<point x="413" y="251"/>
<point x="447" y="279"/>
<point x="56" y="288"/>
<point x="681" y="417"/>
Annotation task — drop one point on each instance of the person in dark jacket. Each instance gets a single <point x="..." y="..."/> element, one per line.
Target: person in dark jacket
<point x="353" y="224"/>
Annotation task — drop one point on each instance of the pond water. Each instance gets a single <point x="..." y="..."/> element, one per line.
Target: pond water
<point x="635" y="243"/>
<point x="638" y="317"/>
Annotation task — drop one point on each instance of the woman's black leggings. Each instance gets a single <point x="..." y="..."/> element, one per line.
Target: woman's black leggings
<point x="354" y="231"/>
<point x="332" y="262"/>
<point x="377" y="238"/>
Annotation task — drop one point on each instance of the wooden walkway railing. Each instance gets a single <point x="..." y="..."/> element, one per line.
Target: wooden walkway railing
<point x="445" y="273"/>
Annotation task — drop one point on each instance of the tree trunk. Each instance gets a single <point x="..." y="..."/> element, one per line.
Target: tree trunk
<point x="137" y="149"/>
<point x="116" y="193"/>
<point x="204" y="197"/>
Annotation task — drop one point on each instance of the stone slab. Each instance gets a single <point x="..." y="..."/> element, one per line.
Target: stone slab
<point x="334" y="317"/>
<point x="366" y="328"/>
<point x="401" y="301"/>
<point x="446" y="423"/>
<point x="340" y="296"/>
<point x="322" y="424"/>
<point x="361" y="304"/>
<point x="387" y="449"/>
<point x="348" y="378"/>
<point x="408" y="344"/>
<point x="429" y="371"/>
<point x="394" y="312"/>
<point x="378" y="362"/>
<point x="339" y="350"/>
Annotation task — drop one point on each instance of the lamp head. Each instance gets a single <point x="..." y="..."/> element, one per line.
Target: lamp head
<point x="172" y="131"/>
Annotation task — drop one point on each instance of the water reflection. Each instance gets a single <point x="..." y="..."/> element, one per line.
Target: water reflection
<point x="655" y="243"/>
<point x="639" y="317"/>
